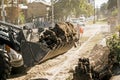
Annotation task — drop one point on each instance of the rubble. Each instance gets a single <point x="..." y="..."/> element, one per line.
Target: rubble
<point x="96" y="67"/>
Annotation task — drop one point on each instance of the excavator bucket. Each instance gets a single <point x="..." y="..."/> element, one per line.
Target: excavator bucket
<point x="38" y="45"/>
<point x="34" y="53"/>
<point x="45" y="43"/>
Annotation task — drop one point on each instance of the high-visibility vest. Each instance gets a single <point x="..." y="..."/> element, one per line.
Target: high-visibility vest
<point x="81" y="30"/>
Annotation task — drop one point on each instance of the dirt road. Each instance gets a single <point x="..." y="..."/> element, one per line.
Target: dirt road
<point x="60" y="68"/>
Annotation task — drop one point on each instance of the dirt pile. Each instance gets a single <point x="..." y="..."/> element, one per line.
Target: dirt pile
<point x="97" y="66"/>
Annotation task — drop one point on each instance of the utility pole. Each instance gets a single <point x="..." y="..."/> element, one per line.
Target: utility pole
<point x="17" y="11"/>
<point x="94" y="13"/>
<point x="118" y="4"/>
<point x="52" y="5"/>
<point x="3" y="13"/>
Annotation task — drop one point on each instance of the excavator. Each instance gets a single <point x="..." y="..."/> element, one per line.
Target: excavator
<point x="21" y="48"/>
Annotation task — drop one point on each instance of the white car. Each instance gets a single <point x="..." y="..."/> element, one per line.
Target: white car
<point x="82" y="21"/>
<point x="78" y="21"/>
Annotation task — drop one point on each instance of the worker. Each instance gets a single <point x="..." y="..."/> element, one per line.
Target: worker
<point x="80" y="31"/>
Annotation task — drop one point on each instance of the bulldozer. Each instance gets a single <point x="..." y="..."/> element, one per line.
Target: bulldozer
<point x="22" y="48"/>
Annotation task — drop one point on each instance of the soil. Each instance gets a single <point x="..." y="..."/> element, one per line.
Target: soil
<point x="61" y="67"/>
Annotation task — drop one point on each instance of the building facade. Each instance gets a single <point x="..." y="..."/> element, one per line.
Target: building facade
<point x="37" y="9"/>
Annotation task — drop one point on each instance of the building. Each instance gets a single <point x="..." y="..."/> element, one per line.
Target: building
<point x="38" y="8"/>
<point x="12" y="11"/>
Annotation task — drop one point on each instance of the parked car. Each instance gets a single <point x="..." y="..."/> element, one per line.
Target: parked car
<point x="82" y="21"/>
<point x="78" y="21"/>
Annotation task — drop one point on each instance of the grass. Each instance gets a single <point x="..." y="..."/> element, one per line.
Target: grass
<point x="83" y="39"/>
<point x="100" y="21"/>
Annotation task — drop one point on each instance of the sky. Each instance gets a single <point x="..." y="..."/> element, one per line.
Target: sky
<point x="97" y="2"/>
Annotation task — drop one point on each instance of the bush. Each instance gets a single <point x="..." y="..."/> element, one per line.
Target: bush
<point x="114" y="45"/>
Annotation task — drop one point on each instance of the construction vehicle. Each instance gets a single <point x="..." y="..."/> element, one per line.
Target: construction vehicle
<point x="24" y="48"/>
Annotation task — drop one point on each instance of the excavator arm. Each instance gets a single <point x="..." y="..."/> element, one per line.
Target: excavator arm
<point x="13" y="36"/>
<point x="8" y="36"/>
<point x="32" y="47"/>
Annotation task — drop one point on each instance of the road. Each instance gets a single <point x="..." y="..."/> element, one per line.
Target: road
<point x="60" y="67"/>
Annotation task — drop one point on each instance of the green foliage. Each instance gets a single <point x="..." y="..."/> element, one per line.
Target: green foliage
<point x="22" y="18"/>
<point x="5" y="1"/>
<point x="112" y="4"/>
<point x="89" y="10"/>
<point x="114" y="12"/>
<point x="72" y="7"/>
<point x="19" y="1"/>
<point x="114" y="45"/>
<point x="118" y="27"/>
<point x="103" y="9"/>
<point x="22" y="1"/>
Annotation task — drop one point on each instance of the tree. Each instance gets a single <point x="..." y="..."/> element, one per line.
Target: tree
<point x="21" y="18"/>
<point x="9" y="1"/>
<point x="5" y="1"/>
<point x="112" y="4"/>
<point x="112" y="7"/>
<point x="72" y="7"/>
<point x="22" y="1"/>
<point x="103" y="9"/>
